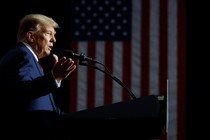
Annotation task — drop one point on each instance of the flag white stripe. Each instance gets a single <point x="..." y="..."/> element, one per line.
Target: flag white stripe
<point x="99" y="88"/>
<point x="135" y="57"/>
<point x="172" y="69"/>
<point x="82" y="78"/>
<point x="117" y="71"/>
<point x="154" y="48"/>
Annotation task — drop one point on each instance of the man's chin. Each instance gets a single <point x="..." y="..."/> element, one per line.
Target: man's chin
<point x="48" y="53"/>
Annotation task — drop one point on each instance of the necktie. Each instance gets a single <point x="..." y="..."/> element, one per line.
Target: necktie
<point x="41" y="66"/>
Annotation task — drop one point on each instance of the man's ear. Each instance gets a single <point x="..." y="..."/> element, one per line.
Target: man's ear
<point x="30" y="36"/>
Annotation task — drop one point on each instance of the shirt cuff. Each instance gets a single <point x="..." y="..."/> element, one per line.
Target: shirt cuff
<point x="58" y="82"/>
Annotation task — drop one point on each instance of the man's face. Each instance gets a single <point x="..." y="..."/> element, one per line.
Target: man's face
<point x="43" y="41"/>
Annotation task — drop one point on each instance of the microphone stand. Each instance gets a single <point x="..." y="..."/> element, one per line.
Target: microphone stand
<point x="110" y="75"/>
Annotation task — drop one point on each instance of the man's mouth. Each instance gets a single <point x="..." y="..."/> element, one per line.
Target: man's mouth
<point x="50" y="48"/>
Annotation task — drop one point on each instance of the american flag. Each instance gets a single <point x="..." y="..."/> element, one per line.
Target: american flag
<point x="142" y="42"/>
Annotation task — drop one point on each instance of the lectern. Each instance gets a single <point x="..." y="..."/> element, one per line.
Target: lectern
<point x="141" y="118"/>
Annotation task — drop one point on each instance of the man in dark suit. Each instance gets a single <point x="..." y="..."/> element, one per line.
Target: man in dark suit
<point x="26" y="90"/>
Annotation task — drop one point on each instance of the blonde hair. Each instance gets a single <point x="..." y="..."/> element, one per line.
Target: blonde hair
<point x="34" y="22"/>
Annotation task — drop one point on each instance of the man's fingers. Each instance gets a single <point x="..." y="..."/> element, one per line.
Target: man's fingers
<point x="55" y="59"/>
<point x="61" y="61"/>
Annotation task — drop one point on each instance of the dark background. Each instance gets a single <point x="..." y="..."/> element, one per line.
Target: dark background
<point x="197" y="54"/>
<point x="198" y="71"/>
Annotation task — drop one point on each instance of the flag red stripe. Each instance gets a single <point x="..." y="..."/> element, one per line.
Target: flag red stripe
<point x="145" y="22"/>
<point x="163" y="51"/>
<point x="73" y="82"/>
<point x="91" y="77"/>
<point x="108" y="81"/>
<point x="126" y="68"/>
<point x="181" y="129"/>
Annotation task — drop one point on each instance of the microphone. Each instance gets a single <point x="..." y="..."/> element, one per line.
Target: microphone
<point x="80" y="57"/>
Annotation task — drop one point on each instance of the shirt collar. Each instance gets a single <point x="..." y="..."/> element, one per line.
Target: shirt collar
<point x="29" y="47"/>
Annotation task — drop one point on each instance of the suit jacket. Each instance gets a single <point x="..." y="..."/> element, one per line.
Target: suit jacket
<point x="23" y="83"/>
